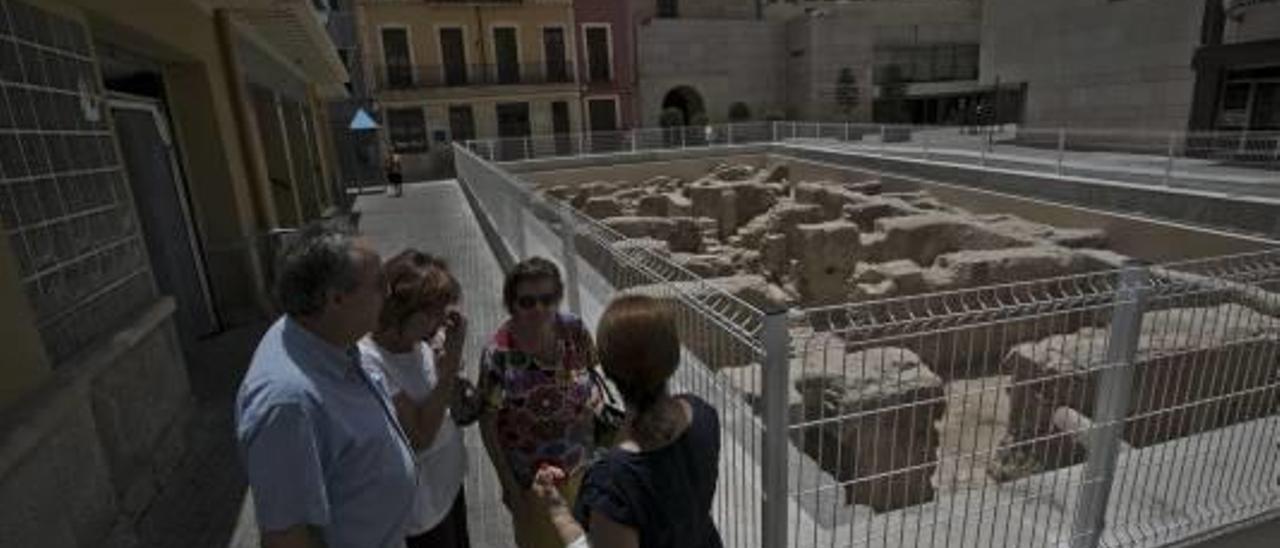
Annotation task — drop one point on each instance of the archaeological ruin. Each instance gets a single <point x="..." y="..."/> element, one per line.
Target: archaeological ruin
<point x="885" y="412"/>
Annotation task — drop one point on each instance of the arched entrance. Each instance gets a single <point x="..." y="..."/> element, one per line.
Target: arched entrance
<point x="685" y="101"/>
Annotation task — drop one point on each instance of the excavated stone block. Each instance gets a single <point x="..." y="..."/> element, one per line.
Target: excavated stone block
<point x="776" y="173"/>
<point x="773" y="255"/>
<point x="681" y="233"/>
<point x="922" y="238"/>
<point x="866" y="214"/>
<point x="738" y="172"/>
<point x="752" y="201"/>
<point x="705" y="265"/>
<point x="1196" y="369"/>
<point x="602" y="208"/>
<point x="826" y="256"/>
<point x="964" y="269"/>
<point x="831" y="196"/>
<point x="877" y="409"/>
<point x="894" y="278"/>
<point x="653" y="206"/>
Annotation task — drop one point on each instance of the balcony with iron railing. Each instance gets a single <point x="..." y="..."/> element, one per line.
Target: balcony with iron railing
<point x="417" y="77"/>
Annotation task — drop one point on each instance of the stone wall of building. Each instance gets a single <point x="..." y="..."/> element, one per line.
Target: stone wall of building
<point x="725" y="61"/>
<point x="1258" y="22"/>
<point x="82" y="458"/>
<point x="1095" y="64"/>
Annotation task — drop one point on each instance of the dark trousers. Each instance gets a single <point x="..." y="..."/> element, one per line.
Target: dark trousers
<point x="451" y="532"/>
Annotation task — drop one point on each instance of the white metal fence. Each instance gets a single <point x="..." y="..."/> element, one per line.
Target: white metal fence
<point x="1241" y="162"/>
<point x="1130" y="407"/>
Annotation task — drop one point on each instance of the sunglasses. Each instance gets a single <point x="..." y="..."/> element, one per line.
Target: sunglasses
<point x="529" y="301"/>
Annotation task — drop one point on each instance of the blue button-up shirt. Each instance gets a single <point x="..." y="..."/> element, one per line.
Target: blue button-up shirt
<point x="321" y="444"/>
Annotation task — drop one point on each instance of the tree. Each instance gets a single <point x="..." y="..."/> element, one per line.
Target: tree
<point x="847" y="95"/>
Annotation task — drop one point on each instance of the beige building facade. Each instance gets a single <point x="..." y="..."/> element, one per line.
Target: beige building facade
<point x="444" y="71"/>
<point x="140" y="176"/>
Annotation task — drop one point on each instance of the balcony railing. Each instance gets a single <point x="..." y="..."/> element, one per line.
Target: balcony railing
<point x="400" y="77"/>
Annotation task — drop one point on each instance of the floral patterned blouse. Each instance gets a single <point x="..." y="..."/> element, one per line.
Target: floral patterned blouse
<point x="545" y="411"/>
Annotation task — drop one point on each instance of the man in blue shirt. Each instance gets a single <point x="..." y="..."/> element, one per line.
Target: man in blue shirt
<point x="327" y="461"/>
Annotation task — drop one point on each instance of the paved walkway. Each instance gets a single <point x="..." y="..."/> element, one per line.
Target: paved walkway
<point x="436" y="218"/>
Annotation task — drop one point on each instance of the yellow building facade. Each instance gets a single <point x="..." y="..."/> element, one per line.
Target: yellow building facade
<point x="148" y="150"/>
<point x="443" y="71"/>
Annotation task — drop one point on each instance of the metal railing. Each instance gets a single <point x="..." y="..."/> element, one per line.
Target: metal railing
<point x="411" y="77"/>
<point x="608" y="142"/>
<point x="1206" y="160"/>
<point x="1122" y="407"/>
<point x="719" y="331"/>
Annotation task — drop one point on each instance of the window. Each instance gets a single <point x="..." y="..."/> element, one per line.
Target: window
<point x="395" y="56"/>
<point x="462" y="124"/>
<point x="554" y="53"/>
<point x="513" y="119"/>
<point x="599" y="54"/>
<point x="668" y="8"/>
<point x="408" y="129"/>
<point x="559" y="117"/>
<point x="454" y="55"/>
<point x="507" y="54"/>
<point x="604" y="114"/>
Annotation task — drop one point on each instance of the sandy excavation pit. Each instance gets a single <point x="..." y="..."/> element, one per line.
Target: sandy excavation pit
<point x="901" y="417"/>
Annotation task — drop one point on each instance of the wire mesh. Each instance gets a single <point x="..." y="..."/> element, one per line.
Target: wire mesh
<point x="994" y="415"/>
<point x="976" y="417"/>
<point x="719" y="331"/>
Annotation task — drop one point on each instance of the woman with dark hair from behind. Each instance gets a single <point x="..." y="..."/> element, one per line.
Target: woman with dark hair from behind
<point x="417" y="352"/>
<point x="654" y="489"/>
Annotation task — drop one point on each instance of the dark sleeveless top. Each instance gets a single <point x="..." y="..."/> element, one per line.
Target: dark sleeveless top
<point x="665" y="494"/>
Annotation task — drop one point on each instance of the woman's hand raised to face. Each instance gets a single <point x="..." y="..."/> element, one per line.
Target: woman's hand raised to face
<point x="455" y="334"/>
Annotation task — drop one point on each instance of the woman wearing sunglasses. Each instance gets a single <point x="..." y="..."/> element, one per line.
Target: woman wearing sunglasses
<point x="421" y="305"/>
<point x="539" y="396"/>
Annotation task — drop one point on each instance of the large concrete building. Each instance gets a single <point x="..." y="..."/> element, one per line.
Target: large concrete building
<point x="146" y="149"/>
<point x="1138" y="64"/>
<point x="783" y="60"/>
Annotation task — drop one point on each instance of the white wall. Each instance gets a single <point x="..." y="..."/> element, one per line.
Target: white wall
<point x="1095" y="63"/>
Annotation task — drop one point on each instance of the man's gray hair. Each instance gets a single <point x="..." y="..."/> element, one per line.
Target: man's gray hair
<point x="318" y="259"/>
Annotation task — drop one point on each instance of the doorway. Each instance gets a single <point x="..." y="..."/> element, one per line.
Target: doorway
<point x="160" y="199"/>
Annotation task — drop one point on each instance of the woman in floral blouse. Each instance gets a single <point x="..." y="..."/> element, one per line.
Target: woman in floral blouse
<point x="539" y="396"/>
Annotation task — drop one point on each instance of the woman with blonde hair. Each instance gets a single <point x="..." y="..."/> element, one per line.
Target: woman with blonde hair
<point x="417" y="352"/>
<point x="654" y="488"/>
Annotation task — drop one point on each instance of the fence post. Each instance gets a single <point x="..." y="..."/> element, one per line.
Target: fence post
<point x="1110" y="407"/>
<point x="582" y="144"/>
<point x="774" y="467"/>
<point x="683" y="131"/>
<point x="569" y="247"/>
<point x="528" y="148"/>
<point x="846" y="132"/>
<point x="1062" y="147"/>
<point x="1168" y="161"/>
<point x="883" y="132"/>
<point x="985" y="135"/>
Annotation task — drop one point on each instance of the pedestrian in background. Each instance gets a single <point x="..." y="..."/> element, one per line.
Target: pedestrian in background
<point x="395" y="175"/>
